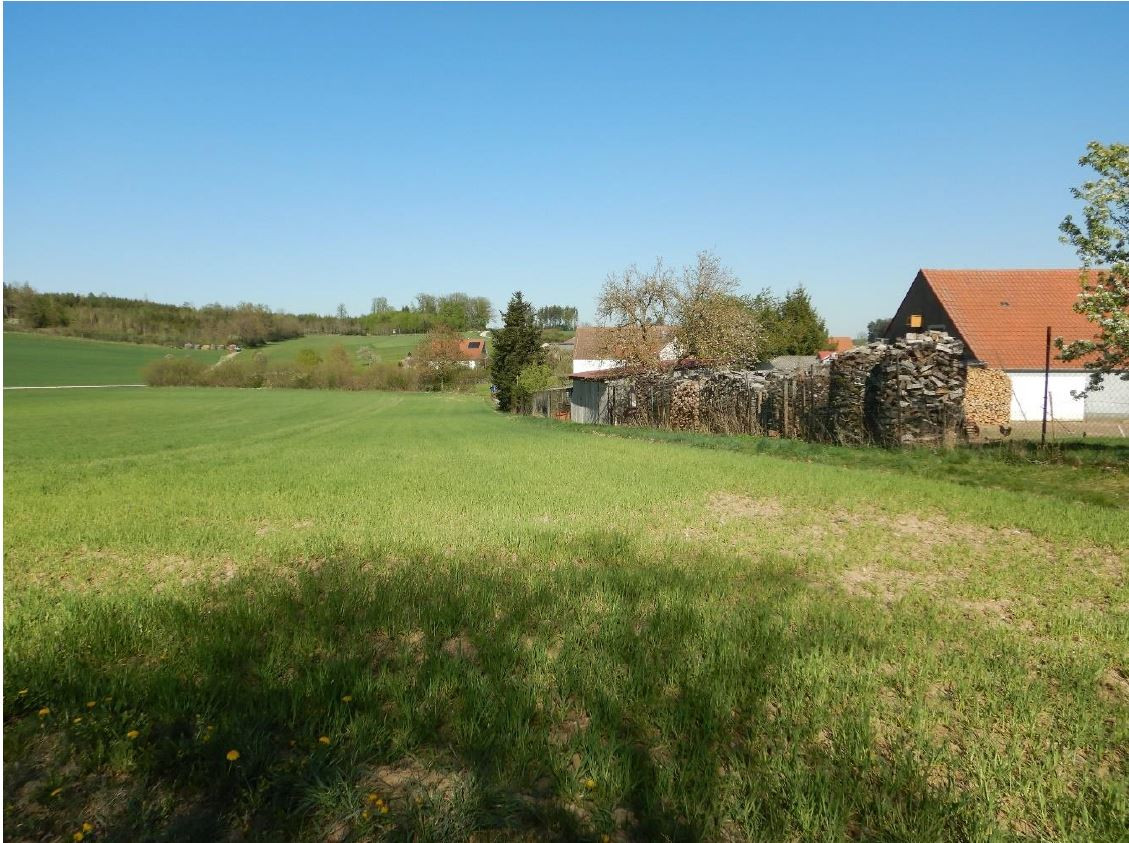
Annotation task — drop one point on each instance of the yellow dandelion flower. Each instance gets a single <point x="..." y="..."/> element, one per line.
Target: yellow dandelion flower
<point x="22" y="692"/>
<point x="77" y="720"/>
<point x="77" y="836"/>
<point x="590" y="784"/>
<point x="91" y="703"/>
<point x="605" y="839"/>
<point x="348" y="698"/>
<point x="56" y="791"/>
<point x="323" y="740"/>
<point x="87" y="827"/>
<point x="384" y="809"/>
<point x="43" y="712"/>
<point x="373" y="797"/>
<point x="364" y="815"/>
<point x="233" y="755"/>
<point x="132" y="734"/>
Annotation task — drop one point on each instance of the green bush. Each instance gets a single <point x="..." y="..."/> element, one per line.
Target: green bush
<point x="175" y="371"/>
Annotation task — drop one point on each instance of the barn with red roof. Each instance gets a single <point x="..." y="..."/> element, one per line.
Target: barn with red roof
<point x="1002" y="316"/>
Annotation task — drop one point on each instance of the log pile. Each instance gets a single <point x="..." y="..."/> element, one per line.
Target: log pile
<point x="918" y="391"/>
<point x="851" y="381"/>
<point x="684" y="404"/>
<point x="987" y="398"/>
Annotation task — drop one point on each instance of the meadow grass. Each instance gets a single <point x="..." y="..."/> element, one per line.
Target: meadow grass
<point x="387" y="349"/>
<point x="414" y="618"/>
<point x="40" y="360"/>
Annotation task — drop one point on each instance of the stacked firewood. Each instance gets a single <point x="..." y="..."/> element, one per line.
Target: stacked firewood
<point x="987" y="398"/>
<point x="851" y="391"/>
<point x="918" y="391"/>
<point x="684" y="404"/>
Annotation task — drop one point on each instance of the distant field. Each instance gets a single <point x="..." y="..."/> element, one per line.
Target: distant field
<point x="404" y="616"/>
<point x="38" y="360"/>
<point x="389" y="349"/>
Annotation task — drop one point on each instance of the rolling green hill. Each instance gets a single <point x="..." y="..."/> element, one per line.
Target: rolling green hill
<point x="389" y="349"/>
<point x="38" y="360"/>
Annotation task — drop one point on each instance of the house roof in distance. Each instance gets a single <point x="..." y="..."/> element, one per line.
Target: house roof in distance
<point x="472" y="349"/>
<point x="594" y="343"/>
<point x="840" y="343"/>
<point x="1002" y="314"/>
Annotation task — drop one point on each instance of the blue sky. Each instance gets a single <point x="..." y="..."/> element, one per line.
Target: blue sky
<point x="305" y="155"/>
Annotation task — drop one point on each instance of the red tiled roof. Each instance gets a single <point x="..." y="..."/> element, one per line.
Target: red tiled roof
<point x="840" y="343"/>
<point x="1003" y="314"/>
<point x="594" y="343"/>
<point x="472" y="349"/>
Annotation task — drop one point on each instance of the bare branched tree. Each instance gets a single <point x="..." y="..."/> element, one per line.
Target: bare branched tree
<point x="700" y="312"/>
<point x="712" y="323"/>
<point x="638" y="304"/>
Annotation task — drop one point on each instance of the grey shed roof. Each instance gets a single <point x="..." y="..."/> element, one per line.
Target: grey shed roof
<point x="789" y="363"/>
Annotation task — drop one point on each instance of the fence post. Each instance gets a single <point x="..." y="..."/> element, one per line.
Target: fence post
<point x="1046" y="386"/>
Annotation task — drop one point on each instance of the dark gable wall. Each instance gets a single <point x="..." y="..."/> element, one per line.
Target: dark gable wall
<point x="920" y="299"/>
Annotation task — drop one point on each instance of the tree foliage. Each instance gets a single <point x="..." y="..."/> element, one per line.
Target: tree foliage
<point x="876" y="329"/>
<point x="516" y="345"/>
<point x="559" y="317"/>
<point x="439" y="357"/>
<point x="711" y="322"/>
<point x="790" y="325"/>
<point x="1102" y="242"/>
<point x="534" y="378"/>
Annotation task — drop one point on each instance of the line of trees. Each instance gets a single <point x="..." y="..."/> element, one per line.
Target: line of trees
<point x="458" y="311"/>
<point x="558" y="317"/>
<point x="135" y="320"/>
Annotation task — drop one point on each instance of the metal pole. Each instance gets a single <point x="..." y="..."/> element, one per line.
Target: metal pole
<point x="1046" y="386"/>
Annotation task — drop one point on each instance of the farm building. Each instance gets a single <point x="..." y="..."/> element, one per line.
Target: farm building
<point x="594" y="348"/>
<point x="1002" y="316"/>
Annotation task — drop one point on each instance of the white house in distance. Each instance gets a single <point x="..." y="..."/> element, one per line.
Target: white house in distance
<point x="593" y="353"/>
<point x="1002" y="316"/>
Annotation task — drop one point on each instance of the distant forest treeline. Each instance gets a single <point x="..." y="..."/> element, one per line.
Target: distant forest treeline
<point x="132" y="320"/>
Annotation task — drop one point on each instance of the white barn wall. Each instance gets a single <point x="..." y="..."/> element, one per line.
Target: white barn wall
<point x="592" y="365"/>
<point x="1111" y="400"/>
<point x="1027" y="396"/>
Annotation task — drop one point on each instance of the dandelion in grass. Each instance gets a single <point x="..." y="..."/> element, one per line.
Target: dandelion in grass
<point x="43" y="712"/>
<point x="364" y="815"/>
<point x="87" y="827"/>
<point x="233" y="755"/>
<point x="132" y="734"/>
<point x="77" y="836"/>
<point x="590" y="784"/>
<point x="77" y="720"/>
<point x="91" y="703"/>
<point x="348" y="698"/>
<point x="324" y="740"/>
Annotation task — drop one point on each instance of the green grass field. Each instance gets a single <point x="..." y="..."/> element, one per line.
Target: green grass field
<point x="388" y="349"/>
<point x="38" y="360"/>
<point x="407" y="617"/>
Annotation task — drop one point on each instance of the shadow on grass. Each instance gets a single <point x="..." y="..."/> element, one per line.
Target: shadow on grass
<point x="613" y="695"/>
